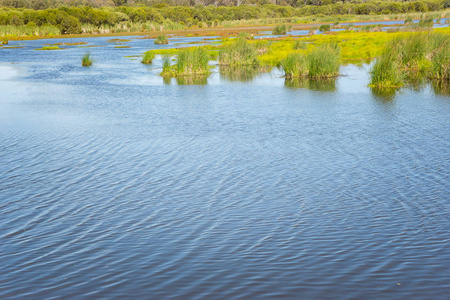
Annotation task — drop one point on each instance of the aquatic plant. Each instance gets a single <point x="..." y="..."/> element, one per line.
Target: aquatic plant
<point x="148" y="57"/>
<point x="49" y="48"/>
<point x="325" y="28"/>
<point x="161" y="40"/>
<point x="280" y="29"/>
<point x="324" y="61"/>
<point x="192" y="61"/>
<point x="87" y="60"/>
<point x="413" y="55"/>
<point x="238" y="52"/>
<point x="295" y="65"/>
<point x="385" y="72"/>
<point x="5" y="42"/>
<point x="408" y="20"/>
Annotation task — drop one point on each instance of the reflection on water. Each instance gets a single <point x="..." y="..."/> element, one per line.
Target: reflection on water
<point x="241" y="73"/>
<point x="441" y="87"/>
<point x="323" y="85"/>
<point x="186" y="80"/>
<point x="384" y="95"/>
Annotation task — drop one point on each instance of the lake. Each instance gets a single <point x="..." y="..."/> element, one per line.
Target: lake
<point x="115" y="183"/>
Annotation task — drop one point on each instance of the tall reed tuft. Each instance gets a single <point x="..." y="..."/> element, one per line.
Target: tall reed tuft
<point x="239" y="52"/>
<point x="192" y="61"/>
<point x="320" y="62"/>
<point x="411" y="56"/>
<point x="161" y="40"/>
<point x="87" y="60"/>
<point x="295" y="65"/>
<point x="148" y="57"/>
<point x="324" y="61"/>
<point x="280" y="29"/>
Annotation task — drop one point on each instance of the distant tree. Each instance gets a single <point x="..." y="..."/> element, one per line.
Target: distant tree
<point x="70" y="25"/>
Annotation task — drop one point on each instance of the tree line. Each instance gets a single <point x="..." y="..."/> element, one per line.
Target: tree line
<point x="70" y="18"/>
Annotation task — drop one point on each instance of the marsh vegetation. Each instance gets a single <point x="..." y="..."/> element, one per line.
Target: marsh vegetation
<point x="86" y="60"/>
<point x="161" y="40"/>
<point x="189" y="62"/>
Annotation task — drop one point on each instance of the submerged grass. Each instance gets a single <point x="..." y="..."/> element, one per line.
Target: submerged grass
<point x="192" y="61"/>
<point x="87" y="60"/>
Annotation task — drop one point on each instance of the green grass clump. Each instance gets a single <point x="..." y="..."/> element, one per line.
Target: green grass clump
<point x="408" y="20"/>
<point x="148" y="57"/>
<point x="87" y="60"/>
<point x="193" y="61"/>
<point x="161" y="40"/>
<point x="416" y="55"/>
<point x="324" y="61"/>
<point x="280" y="29"/>
<point x="295" y="65"/>
<point x="238" y="53"/>
<point x="5" y="42"/>
<point x="325" y="28"/>
<point x="49" y="48"/>
<point x="385" y="73"/>
<point x="321" y="62"/>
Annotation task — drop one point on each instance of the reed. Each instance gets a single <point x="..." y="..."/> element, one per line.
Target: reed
<point x="281" y="29"/>
<point x="192" y="61"/>
<point x="161" y="40"/>
<point x="324" y="61"/>
<point x="148" y="57"/>
<point x="325" y="28"/>
<point x="239" y="52"/>
<point x="87" y="60"/>
<point x="413" y="55"/>
<point x="295" y="65"/>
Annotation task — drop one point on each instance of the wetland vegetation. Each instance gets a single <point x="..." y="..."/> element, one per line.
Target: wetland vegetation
<point x="86" y="60"/>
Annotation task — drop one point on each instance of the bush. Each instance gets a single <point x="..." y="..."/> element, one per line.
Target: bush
<point x="70" y="25"/>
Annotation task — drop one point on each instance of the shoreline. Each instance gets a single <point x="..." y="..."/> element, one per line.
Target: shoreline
<point x="216" y="31"/>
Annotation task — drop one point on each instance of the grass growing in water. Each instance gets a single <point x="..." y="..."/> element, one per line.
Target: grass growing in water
<point x="321" y="62"/>
<point x="416" y="55"/>
<point x="49" y="48"/>
<point x="86" y="60"/>
<point x="148" y="57"/>
<point x="161" y="40"/>
<point x="189" y="62"/>
<point x="238" y="53"/>
<point x="281" y="29"/>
